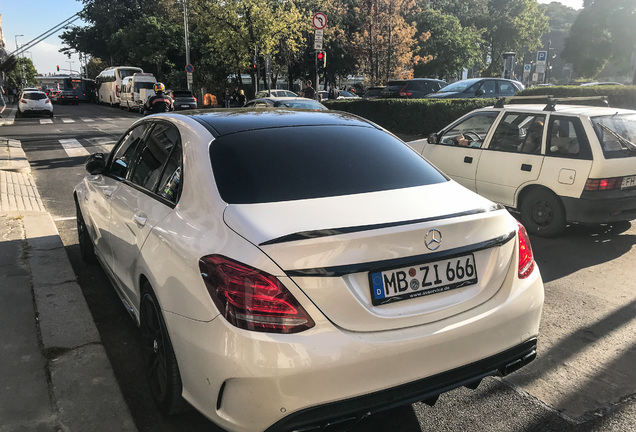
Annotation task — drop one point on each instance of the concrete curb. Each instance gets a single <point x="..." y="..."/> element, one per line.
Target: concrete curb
<point x="71" y="384"/>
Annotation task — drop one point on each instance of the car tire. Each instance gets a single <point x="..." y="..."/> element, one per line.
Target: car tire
<point x="87" y="250"/>
<point x="542" y="213"/>
<point x="160" y="361"/>
<point x="51" y="115"/>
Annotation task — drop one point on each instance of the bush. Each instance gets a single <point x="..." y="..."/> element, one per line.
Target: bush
<point x="617" y="96"/>
<point x="416" y="117"/>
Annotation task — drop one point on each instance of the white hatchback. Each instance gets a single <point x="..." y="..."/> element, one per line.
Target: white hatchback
<point x="34" y="102"/>
<point x="552" y="163"/>
<point x="292" y="269"/>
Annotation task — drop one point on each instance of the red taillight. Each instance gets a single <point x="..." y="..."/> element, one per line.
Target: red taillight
<point x="603" y="184"/>
<point x="117" y="90"/>
<point x="195" y="99"/>
<point x="404" y="93"/>
<point x="252" y="299"/>
<point x="526" y="257"/>
<point x="47" y="101"/>
<point x="23" y="100"/>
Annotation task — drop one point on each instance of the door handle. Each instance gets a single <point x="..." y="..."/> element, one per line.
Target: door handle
<point x="468" y="159"/>
<point x="526" y="167"/>
<point x="108" y="192"/>
<point x="140" y="219"/>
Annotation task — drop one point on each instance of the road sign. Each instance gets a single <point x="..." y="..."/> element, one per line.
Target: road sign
<point x="540" y="69"/>
<point x="318" y="39"/>
<point x="189" y="77"/>
<point x="526" y="68"/>
<point x="268" y="65"/>
<point x="189" y="68"/>
<point x="319" y="20"/>
<point x="542" y="56"/>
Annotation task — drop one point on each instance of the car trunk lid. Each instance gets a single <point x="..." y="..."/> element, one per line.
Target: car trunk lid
<point x="332" y="248"/>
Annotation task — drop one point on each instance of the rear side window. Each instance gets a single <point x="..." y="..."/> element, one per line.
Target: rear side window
<point x="125" y="152"/>
<point x="294" y="163"/>
<point x="157" y="148"/>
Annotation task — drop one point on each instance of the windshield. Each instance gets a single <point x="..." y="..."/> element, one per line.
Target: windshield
<point x="617" y="135"/>
<point x="299" y="103"/>
<point x="458" y="86"/>
<point x="123" y="73"/>
<point x="143" y="85"/>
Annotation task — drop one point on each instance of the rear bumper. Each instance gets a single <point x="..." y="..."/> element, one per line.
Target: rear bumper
<point x="348" y="412"/>
<point x="601" y="207"/>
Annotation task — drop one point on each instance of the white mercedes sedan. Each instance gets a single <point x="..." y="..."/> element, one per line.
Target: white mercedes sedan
<point x="290" y="269"/>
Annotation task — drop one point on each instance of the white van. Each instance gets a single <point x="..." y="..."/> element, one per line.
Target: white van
<point x="136" y="89"/>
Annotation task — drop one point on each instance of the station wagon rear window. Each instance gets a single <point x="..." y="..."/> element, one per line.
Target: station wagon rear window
<point x="617" y="135"/>
<point x="294" y="163"/>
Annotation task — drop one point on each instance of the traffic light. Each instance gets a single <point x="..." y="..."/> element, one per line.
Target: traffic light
<point x="255" y="63"/>
<point x="58" y="68"/>
<point x="321" y="56"/>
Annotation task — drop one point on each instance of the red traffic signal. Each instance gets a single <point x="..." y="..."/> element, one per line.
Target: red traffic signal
<point x="58" y="68"/>
<point x="321" y="55"/>
<point x="321" y="59"/>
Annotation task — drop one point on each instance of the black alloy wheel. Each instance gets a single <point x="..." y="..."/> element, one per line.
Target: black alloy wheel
<point x="87" y="250"/>
<point x="160" y="360"/>
<point x="542" y="213"/>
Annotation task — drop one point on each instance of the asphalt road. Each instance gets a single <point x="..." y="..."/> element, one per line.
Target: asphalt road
<point x="584" y="378"/>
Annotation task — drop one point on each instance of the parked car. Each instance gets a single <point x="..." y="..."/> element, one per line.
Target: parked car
<point x="183" y="99"/>
<point x="54" y="95"/>
<point x="278" y="260"/>
<point x="553" y="164"/>
<point x="67" y="97"/>
<point x="479" y="88"/>
<point x="34" y="102"/>
<point x="413" y="88"/>
<point x="275" y="93"/>
<point x="285" y="102"/>
<point x="373" y="92"/>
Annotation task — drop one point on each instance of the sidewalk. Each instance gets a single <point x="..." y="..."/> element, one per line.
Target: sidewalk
<point x="55" y="375"/>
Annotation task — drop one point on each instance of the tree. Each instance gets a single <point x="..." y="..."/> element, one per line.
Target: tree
<point x="384" y="40"/>
<point x="604" y="30"/>
<point x="445" y="47"/>
<point x="561" y="19"/>
<point x="24" y="69"/>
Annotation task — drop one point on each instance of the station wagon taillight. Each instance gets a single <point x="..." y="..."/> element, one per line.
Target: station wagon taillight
<point x="603" y="184"/>
<point x="526" y="257"/>
<point x="252" y="299"/>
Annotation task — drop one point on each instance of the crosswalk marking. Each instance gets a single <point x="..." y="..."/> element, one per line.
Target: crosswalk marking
<point x="46" y="121"/>
<point x="68" y="120"/>
<point x="87" y="120"/>
<point x="105" y="143"/>
<point x="73" y="148"/>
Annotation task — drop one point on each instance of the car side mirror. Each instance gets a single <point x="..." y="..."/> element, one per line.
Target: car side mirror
<point x="95" y="164"/>
<point x="479" y="92"/>
<point x="432" y="139"/>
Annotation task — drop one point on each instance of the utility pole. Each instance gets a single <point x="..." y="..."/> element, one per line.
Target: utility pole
<point x="187" y="36"/>
<point x="20" y="60"/>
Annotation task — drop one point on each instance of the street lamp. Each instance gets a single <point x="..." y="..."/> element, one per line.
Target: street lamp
<point x="21" y="63"/>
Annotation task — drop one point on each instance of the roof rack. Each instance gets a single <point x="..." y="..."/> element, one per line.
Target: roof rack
<point x="552" y="102"/>
<point x="501" y="100"/>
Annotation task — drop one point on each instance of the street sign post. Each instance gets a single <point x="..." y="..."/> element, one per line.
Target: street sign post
<point x="189" y="68"/>
<point x="542" y="57"/>
<point x="318" y="34"/>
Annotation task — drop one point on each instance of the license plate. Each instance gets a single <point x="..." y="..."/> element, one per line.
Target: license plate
<point x="628" y="182"/>
<point x="421" y="280"/>
<point x="185" y="106"/>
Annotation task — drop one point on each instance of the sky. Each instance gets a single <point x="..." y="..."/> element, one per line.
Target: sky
<point x="31" y="18"/>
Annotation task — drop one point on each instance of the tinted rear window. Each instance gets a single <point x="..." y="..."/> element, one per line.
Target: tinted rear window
<point x="181" y="94"/>
<point x="294" y="163"/>
<point x="34" y="96"/>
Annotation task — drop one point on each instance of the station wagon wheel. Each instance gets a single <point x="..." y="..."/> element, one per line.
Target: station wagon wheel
<point x="542" y="213"/>
<point x="159" y="358"/>
<point x="87" y="250"/>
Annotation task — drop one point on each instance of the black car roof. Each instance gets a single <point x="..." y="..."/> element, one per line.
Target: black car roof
<point x="227" y="121"/>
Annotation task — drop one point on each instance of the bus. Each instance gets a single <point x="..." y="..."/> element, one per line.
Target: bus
<point x="109" y="83"/>
<point x="84" y="88"/>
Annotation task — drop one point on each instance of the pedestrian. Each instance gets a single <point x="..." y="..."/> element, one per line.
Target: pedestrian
<point x="241" y="98"/>
<point x="333" y="93"/>
<point x="227" y="98"/>
<point x="301" y="93"/>
<point x="14" y="95"/>
<point x="3" y="104"/>
<point x="235" y="95"/>
<point x="209" y="100"/>
<point x="309" y="91"/>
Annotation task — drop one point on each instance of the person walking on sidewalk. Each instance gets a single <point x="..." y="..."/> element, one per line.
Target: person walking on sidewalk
<point x="3" y="103"/>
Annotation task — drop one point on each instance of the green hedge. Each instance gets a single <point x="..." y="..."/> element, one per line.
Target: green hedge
<point x="617" y="96"/>
<point x="416" y="117"/>
<point x="421" y="117"/>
